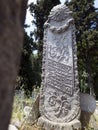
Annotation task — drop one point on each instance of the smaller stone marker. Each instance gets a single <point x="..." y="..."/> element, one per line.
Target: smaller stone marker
<point x="59" y="98"/>
<point x="96" y="110"/>
<point x="12" y="127"/>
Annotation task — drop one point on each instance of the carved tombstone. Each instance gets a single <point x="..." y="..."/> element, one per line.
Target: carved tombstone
<point x="59" y="98"/>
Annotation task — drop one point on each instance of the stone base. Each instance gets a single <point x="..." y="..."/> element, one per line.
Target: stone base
<point x="49" y="125"/>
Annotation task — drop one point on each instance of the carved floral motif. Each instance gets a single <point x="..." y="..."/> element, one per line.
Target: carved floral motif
<point x="60" y="103"/>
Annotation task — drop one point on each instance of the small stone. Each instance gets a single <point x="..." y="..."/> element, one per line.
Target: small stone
<point x="12" y="127"/>
<point x="27" y="111"/>
<point x="17" y="123"/>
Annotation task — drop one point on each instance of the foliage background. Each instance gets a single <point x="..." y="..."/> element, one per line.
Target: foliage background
<point x="86" y="21"/>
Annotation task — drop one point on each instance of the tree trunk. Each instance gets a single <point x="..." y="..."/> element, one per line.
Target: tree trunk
<point x="88" y="69"/>
<point x="12" y="16"/>
<point x="90" y="80"/>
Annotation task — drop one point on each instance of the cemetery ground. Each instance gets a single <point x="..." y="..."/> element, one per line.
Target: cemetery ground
<point x="22" y="110"/>
<point x="22" y="114"/>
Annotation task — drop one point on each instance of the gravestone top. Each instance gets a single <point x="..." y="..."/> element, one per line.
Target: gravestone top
<point x="59" y="98"/>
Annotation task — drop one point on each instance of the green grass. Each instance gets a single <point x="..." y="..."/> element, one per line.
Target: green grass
<point x="18" y="106"/>
<point x="19" y="115"/>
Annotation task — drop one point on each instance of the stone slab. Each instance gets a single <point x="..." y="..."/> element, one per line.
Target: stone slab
<point x="12" y="127"/>
<point x="49" y="125"/>
<point x="59" y="98"/>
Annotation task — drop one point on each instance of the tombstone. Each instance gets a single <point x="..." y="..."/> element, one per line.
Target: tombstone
<point x="59" y="97"/>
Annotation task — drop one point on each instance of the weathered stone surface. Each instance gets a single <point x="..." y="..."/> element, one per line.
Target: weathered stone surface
<point x="16" y="123"/>
<point x="50" y="125"/>
<point x="59" y="99"/>
<point x="33" y="114"/>
<point x="27" y="110"/>
<point x="12" y="127"/>
<point x="96" y="110"/>
<point x="35" y="109"/>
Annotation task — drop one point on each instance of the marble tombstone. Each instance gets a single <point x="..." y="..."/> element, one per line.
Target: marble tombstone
<point x="59" y="98"/>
